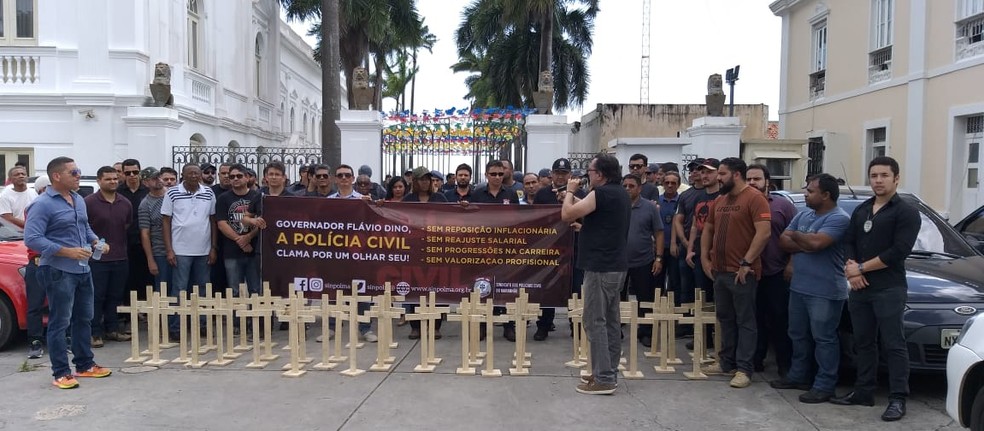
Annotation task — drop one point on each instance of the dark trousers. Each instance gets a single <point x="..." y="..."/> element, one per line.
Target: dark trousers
<point x="735" y="309"/>
<point x="547" y="313"/>
<point x="138" y="276"/>
<point x="35" y="302"/>
<point x="772" y="315"/>
<point x="671" y="277"/>
<point x="415" y="324"/>
<point x="109" y="283"/>
<point x="686" y="286"/>
<point x="217" y="272"/>
<point x="876" y="315"/>
<point x="641" y="282"/>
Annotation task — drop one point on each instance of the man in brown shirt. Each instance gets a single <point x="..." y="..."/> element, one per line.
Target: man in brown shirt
<point x="735" y="234"/>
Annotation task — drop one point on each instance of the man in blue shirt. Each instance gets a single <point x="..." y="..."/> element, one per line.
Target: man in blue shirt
<point x="59" y="229"/>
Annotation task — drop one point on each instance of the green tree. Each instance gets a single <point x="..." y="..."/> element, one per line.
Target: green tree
<point x="520" y="38"/>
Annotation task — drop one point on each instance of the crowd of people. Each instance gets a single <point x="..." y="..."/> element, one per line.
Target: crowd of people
<point x="779" y="279"/>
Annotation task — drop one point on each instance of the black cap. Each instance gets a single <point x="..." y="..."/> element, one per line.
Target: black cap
<point x="561" y="165"/>
<point x="711" y="164"/>
<point x="206" y="166"/>
<point x="544" y="173"/>
<point x="694" y="164"/>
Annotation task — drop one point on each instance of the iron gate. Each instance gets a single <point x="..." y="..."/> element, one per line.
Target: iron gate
<point x="255" y="158"/>
<point x="443" y="140"/>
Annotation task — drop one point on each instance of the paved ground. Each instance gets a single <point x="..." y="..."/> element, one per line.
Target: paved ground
<point x="233" y="397"/>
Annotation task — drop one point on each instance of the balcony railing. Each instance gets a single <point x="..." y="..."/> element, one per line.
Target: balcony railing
<point x="20" y="69"/>
<point x="818" y="82"/>
<point x="201" y="89"/>
<point x="880" y="65"/>
<point x="970" y="37"/>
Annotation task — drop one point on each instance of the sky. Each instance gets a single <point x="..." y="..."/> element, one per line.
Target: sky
<point x="689" y="40"/>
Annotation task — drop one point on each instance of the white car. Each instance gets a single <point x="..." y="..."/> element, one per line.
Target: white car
<point x="965" y="376"/>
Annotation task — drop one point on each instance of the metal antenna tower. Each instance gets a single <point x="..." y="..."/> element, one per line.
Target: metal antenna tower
<point x="644" y="73"/>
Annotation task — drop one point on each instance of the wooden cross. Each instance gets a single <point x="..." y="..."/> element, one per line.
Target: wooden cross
<point x="354" y="296"/>
<point x="195" y="308"/>
<point x="630" y="311"/>
<point x="339" y="313"/>
<point x="256" y="311"/>
<point x="182" y="310"/>
<point x="699" y="319"/>
<point x="268" y="305"/>
<point x="296" y="316"/>
<point x="229" y="302"/>
<point x="521" y="311"/>
<point x="326" y="311"/>
<point x="352" y="303"/>
<point x="135" y="308"/>
<point x="662" y="317"/>
<point x="240" y="304"/>
<point x="490" y="320"/>
<point x="385" y="312"/>
<point x="159" y="309"/>
<point x="575" y="311"/>
<point x="165" y="302"/>
<point x="464" y="316"/>
<point x="222" y="314"/>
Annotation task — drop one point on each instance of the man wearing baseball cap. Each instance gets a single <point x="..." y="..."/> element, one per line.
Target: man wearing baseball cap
<point x="208" y="174"/>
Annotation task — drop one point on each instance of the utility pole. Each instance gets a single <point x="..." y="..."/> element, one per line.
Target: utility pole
<point x="331" y="138"/>
<point x="644" y="72"/>
<point x="731" y="77"/>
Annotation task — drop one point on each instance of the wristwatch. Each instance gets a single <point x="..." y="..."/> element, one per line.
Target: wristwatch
<point x="861" y="267"/>
<point x="744" y="262"/>
<point x="659" y="258"/>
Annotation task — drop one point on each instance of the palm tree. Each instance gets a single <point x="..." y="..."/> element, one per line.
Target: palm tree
<point x="521" y="38"/>
<point x="366" y="28"/>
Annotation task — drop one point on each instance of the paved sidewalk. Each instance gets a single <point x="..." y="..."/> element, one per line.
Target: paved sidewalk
<point x="233" y="397"/>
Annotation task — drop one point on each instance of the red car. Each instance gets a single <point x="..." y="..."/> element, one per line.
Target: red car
<point x="13" y="296"/>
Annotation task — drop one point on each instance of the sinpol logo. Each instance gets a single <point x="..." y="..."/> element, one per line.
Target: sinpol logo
<point x="403" y="288"/>
<point x="483" y="286"/>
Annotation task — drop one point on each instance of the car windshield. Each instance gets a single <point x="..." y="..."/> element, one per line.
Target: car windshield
<point x="935" y="235"/>
<point x="8" y="233"/>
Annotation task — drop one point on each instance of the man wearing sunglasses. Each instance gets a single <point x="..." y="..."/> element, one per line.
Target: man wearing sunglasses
<point x="139" y="274"/>
<point x="241" y="256"/>
<point x="322" y="182"/>
<point x="638" y="165"/>
<point x="345" y="180"/>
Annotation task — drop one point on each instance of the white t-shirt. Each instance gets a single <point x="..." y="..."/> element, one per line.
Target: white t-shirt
<point x="191" y="223"/>
<point x="14" y="203"/>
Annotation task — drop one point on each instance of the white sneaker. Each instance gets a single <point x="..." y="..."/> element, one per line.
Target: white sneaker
<point x="370" y="337"/>
<point x="331" y="334"/>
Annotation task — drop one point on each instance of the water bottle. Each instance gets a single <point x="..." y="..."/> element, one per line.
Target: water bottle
<point x="97" y="252"/>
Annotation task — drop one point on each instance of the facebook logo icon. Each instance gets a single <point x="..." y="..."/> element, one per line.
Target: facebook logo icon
<point x="301" y="283"/>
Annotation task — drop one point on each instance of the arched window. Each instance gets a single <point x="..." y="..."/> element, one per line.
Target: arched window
<point x="291" y="120"/>
<point x="197" y="140"/>
<point x="258" y="54"/>
<point x="194" y="33"/>
<point x="304" y="124"/>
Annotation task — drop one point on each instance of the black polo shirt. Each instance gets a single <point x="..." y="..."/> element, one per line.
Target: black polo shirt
<point x="453" y="195"/>
<point x="434" y="197"/>
<point x="483" y="196"/>
<point x="893" y="233"/>
<point x="135" y="197"/>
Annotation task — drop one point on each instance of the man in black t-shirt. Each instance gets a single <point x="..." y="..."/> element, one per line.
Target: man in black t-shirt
<point x="703" y="205"/>
<point x="240" y="240"/>
<point x="603" y="239"/>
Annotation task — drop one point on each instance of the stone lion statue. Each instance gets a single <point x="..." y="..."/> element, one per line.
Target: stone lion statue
<point x="715" y="96"/>
<point x="546" y="82"/>
<point x="360" y="78"/>
<point x="714" y="84"/>
<point x="160" y="87"/>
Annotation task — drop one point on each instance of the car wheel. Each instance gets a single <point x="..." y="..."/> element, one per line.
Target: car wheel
<point x="7" y="322"/>
<point x="977" y="412"/>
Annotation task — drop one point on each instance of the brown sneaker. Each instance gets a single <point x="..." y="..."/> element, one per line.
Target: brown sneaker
<point x="117" y="336"/>
<point x="740" y="380"/>
<point x="595" y="388"/>
<point x="97" y="342"/>
<point x="715" y="370"/>
<point x="587" y="379"/>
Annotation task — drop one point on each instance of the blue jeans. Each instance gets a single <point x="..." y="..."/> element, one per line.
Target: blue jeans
<point x="35" y="302"/>
<point x="817" y="316"/>
<point x="602" y="324"/>
<point x="109" y="283"/>
<point x="190" y="271"/>
<point x="69" y="302"/>
<point x="243" y="269"/>
<point x="164" y="273"/>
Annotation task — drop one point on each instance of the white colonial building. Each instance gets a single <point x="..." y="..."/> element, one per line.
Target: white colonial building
<point x="74" y="80"/>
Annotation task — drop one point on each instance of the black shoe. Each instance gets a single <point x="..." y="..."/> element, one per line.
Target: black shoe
<point x="541" y="334"/>
<point x="509" y="333"/>
<point x="854" y="399"/>
<point x="895" y="410"/>
<point x="815" y="397"/>
<point x="552" y="327"/>
<point x="788" y="384"/>
<point x="646" y="341"/>
<point x="414" y="334"/>
<point x="36" y="350"/>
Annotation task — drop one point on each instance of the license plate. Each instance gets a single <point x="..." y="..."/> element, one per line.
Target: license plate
<point x="948" y="337"/>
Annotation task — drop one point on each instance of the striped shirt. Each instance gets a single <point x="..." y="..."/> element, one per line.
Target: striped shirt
<point x="191" y="223"/>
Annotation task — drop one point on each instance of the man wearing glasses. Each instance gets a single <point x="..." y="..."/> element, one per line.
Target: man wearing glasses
<point x="638" y="165"/>
<point x="208" y="174"/>
<point x="58" y="228"/>
<point x="345" y="180"/>
<point x="240" y="240"/>
<point x="322" y="182"/>
<point x="139" y="274"/>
